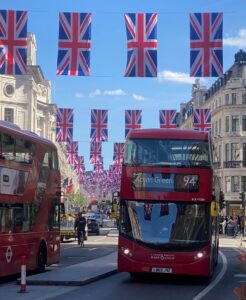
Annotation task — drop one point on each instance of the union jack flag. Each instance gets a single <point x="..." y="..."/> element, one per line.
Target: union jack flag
<point x="118" y="153"/>
<point x="168" y="118"/>
<point x="79" y="165"/>
<point x="98" y="167"/>
<point x="206" y="55"/>
<point x="64" y="125"/>
<point x="116" y="170"/>
<point x="82" y="178"/>
<point x="133" y="120"/>
<point x="99" y="125"/>
<point x="164" y="211"/>
<point x="74" y="44"/>
<point x="13" y="42"/>
<point x="141" y="30"/>
<point x="147" y="211"/>
<point x="72" y="153"/>
<point x="202" y="119"/>
<point x="95" y="151"/>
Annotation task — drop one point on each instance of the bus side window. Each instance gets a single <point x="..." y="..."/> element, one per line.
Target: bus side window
<point x="53" y="160"/>
<point x="45" y="169"/>
<point x="5" y="219"/>
<point x="54" y="217"/>
<point x="55" y="164"/>
<point x="8" y="147"/>
<point x="125" y="223"/>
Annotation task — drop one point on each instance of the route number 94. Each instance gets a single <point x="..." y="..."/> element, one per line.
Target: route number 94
<point x="190" y="180"/>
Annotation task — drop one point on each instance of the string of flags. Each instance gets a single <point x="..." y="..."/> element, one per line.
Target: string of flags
<point x="74" y="47"/>
<point x="109" y="180"/>
<point x="99" y="133"/>
<point x="75" y="42"/>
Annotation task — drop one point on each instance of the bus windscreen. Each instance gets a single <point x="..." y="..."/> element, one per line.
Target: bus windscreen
<point x="170" y="224"/>
<point x="167" y="153"/>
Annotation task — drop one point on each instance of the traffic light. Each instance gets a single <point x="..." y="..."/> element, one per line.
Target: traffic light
<point x="242" y="197"/>
<point x="222" y="202"/>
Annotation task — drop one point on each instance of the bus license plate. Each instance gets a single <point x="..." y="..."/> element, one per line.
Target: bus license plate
<point x="162" y="270"/>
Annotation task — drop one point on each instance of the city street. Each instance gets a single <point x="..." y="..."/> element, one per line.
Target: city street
<point x="96" y="246"/>
<point x="229" y="275"/>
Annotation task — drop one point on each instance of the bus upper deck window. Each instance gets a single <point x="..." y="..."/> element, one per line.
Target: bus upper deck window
<point x="8" y="145"/>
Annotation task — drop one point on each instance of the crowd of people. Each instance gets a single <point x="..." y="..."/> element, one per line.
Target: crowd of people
<point x="231" y="225"/>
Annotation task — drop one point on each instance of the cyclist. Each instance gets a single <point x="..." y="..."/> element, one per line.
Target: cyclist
<point x="80" y="224"/>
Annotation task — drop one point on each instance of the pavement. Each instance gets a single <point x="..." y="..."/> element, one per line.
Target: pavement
<point x="63" y="280"/>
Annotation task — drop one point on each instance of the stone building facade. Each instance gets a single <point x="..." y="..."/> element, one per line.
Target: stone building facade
<point x="25" y="100"/>
<point x="227" y="100"/>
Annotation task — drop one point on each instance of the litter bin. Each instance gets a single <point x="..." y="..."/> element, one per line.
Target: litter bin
<point x="230" y="230"/>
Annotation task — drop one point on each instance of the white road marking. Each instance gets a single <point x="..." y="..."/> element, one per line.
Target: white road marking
<point x="75" y="246"/>
<point x="216" y="280"/>
<point x="240" y="275"/>
<point x="91" y="249"/>
<point x="99" y="239"/>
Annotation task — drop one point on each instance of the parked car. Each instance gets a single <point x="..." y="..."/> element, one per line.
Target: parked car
<point x="99" y="218"/>
<point x="96" y="215"/>
<point x="93" y="226"/>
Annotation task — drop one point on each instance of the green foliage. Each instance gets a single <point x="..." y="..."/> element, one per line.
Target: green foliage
<point x="76" y="200"/>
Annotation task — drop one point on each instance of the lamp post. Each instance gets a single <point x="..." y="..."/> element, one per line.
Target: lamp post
<point x="242" y="198"/>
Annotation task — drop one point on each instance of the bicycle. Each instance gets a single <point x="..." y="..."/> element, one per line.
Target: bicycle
<point x="81" y="239"/>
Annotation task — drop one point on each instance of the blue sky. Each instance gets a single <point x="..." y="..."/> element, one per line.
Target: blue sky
<point x="107" y="88"/>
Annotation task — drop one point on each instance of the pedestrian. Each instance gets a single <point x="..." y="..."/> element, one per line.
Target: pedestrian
<point x="234" y="224"/>
<point x="223" y="225"/>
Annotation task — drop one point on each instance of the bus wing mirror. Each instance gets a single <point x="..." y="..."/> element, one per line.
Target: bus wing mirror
<point x="214" y="209"/>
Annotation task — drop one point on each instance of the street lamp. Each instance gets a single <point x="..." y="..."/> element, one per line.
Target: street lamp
<point x="242" y="198"/>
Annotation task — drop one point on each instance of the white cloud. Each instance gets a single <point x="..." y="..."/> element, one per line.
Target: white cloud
<point x="118" y="92"/>
<point x="79" y="95"/>
<point x="239" y="40"/>
<point x="167" y="75"/>
<point x="96" y="93"/>
<point x="138" y="97"/>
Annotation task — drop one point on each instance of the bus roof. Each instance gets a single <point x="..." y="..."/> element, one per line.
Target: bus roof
<point x="172" y="134"/>
<point x="15" y="130"/>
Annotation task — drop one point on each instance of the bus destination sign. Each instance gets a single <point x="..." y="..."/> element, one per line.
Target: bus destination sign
<point x="165" y="182"/>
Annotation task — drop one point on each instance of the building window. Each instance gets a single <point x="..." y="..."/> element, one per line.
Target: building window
<point x="244" y="123"/>
<point x="234" y="123"/>
<point x="244" y="98"/>
<point x="244" y="155"/>
<point x="219" y="125"/>
<point x="219" y="155"/>
<point x="227" y="152"/>
<point x="227" y="123"/>
<point x="233" y="98"/>
<point x="235" y="152"/>
<point x="9" y="115"/>
<point x="219" y="101"/>
<point x="227" y="99"/>
<point x="216" y="128"/>
<point x="228" y="184"/>
<point x="235" y="184"/>
<point x="243" y="183"/>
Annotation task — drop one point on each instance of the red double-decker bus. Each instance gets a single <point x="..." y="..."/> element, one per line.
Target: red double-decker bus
<point x="29" y="200"/>
<point x="168" y="209"/>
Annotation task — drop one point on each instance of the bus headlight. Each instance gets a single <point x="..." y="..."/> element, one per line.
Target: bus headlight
<point x="126" y="251"/>
<point x="200" y="255"/>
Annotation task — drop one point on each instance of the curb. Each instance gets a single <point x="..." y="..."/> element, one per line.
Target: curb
<point x="68" y="282"/>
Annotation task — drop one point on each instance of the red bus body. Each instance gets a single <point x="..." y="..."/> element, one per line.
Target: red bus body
<point x="29" y="201"/>
<point x="135" y="256"/>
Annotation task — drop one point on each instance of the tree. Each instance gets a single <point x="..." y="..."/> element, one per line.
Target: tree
<point x="76" y="200"/>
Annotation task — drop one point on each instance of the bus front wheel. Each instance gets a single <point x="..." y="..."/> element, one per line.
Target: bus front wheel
<point x="41" y="258"/>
